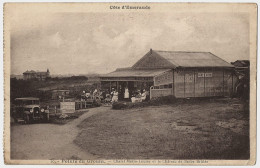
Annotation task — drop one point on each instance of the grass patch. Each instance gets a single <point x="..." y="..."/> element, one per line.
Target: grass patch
<point x="183" y="130"/>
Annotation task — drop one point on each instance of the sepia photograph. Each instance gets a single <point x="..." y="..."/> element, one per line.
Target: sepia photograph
<point x="130" y="83"/>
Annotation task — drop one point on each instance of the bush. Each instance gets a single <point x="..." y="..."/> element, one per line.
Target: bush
<point x="154" y="102"/>
<point x="163" y="100"/>
<point x="119" y="105"/>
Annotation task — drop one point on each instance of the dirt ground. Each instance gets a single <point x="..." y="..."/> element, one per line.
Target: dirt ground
<point x="209" y="129"/>
<point x="199" y="130"/>
<point x="48" y="141"/>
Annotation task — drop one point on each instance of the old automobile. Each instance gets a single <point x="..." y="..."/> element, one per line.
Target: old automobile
<point x="28" y="109"/>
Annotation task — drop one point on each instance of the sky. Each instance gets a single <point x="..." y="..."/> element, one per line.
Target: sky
<point x="82" y="43"/>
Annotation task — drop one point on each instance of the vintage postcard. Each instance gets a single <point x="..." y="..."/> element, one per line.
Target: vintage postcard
<point x="130" y="83"/>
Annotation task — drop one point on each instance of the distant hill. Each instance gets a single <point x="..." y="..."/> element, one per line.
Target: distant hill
<point x="90" y="76"/>
<point x="69" y="75"/>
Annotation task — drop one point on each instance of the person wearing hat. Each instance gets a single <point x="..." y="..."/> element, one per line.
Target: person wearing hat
<point x="95" y="93"/>
<point x="83" y="96"/>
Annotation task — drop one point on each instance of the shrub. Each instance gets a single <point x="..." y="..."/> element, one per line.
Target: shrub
<point x="119" y="105"/>
<point x="163" y="100"/>
<point x="154" y="102"/>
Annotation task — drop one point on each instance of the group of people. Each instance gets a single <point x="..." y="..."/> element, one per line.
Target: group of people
<point x="113" y="96"/>
<point x="138" y="96"/>
<point x="88" y="95"/>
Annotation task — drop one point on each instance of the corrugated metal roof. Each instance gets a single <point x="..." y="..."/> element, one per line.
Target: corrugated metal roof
<point x="193" y="59"/>
<point x="135" y="73"/>
<point x="123" y="69"/>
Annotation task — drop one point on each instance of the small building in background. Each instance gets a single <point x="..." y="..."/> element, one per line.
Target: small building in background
<point x="41" y="76"/>
<point x="178" y="73"/>
<point x="242" y="70"/>
<point x="241" y="67"/>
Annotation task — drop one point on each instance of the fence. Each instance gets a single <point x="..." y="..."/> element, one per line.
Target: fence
<point x="81" y="105"/>
<point x="84" y="104"/>
<point x="69" y="107"/>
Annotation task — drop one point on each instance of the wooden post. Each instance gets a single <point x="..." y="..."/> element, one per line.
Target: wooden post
<point x="109" y="87"/>
<point x="184" y="83"/>
<point x="151" y="92"/>
<point x="194" y="83"/>
<point x="173" y="93"/>
<point x="232" y="85"/>
<point x="204" y="82"/>
<point x="117" y="86"/>
<point x="223" y="83"/>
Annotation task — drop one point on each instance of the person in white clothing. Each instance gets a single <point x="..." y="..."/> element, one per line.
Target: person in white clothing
<point x="126" y="95"/>
<point x="115" y="97"/>
<point x="143" y="96"/>
<point x="95" y="92"/>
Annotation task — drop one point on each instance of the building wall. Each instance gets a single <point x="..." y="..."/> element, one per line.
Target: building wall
<point x="164" y="78"/>
<point x="163" y="85"/>
<point x="203" y="82"/>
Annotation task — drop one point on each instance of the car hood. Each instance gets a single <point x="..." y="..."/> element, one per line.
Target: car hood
<point x="31" y="106"/>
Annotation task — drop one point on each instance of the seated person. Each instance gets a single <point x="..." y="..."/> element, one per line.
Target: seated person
<point x="136" y="97"/>
<point x="143" y="96"/>
<point x="138" y="94"/>
<point x="108" y="98"/>
<point x="115" y="96"/>
<point x="88" y="95"/>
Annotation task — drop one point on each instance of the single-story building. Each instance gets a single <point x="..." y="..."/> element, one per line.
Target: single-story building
<point x="178" y="73"/>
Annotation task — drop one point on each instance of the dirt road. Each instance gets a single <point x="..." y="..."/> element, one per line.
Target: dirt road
<point x="49" y="141"/>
